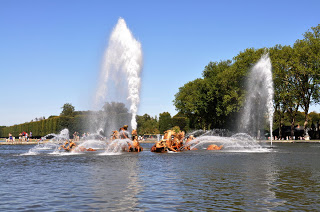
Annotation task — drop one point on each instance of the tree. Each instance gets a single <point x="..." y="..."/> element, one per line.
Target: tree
<point x="176" y="129"/>
<point x="218" y="96"/>
<point x="286" y="97"/>
<point x="141" y="120"/>
<point x="63" y="123"/>
<point x="307" y="70"/>
<point x="314" y="117"/>
<point x="115" y="107"/>
<point x="191" y="100"/>
<point x="182" y="122"/>
<point x="225" y="92"/>
<point x="165" y="121"/>
<point x="214" y="100"/>
<point x="147" y="125"/>
<point x="67" y="110"/>
<point x="113" y="116"/>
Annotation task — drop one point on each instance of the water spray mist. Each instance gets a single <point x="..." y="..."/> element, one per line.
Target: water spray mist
<point x="122" y="63"/>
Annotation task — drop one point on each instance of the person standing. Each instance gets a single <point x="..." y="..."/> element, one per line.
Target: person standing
<point x="10" y="137"/>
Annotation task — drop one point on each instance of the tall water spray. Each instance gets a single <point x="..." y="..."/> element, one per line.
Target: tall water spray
<point x="259" y="99"/>
<point x="121" y="69"/>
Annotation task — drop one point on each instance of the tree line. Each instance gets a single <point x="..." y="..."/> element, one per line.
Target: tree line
<point x="113" y="115"/>
<point x="216" y="99"/>
<point x="150" y="125"/>
<point x="69" y="118"/>
<point x="78" y="121"/>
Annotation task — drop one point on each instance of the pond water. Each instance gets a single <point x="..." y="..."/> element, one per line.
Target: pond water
<point x="286" y="178"/>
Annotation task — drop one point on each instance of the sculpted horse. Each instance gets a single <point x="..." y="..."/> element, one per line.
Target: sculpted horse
<point x="214" y="147"/>
<point x="136" y="144"/>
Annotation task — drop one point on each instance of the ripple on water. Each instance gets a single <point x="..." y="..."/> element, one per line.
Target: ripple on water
<point x="110" y="153"/>
<point x="284" y="178"/>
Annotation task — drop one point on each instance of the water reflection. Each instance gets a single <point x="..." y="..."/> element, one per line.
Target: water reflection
<point x="298" y="187"/>
<point x="285" y="179"/>
<point x="114" y="182"/>
<point x="236" y="181"/>
<point x="161" y="182"/>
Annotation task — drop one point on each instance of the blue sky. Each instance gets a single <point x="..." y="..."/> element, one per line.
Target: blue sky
<point x="51" y="51"/>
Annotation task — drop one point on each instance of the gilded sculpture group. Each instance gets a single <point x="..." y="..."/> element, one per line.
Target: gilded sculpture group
<point x="172" y="141"/>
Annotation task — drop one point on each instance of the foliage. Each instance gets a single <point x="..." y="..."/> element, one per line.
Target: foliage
<point x="115" y="108"/>
<point x="216" y="99"/>
<point x="67" y="110"/>
<point x="307" y="69"/>
<point x="286" y="90"/>
<point x="176" y="129"/>
<point x="191" y="100"/>
<point x="314" y="117"/>
<point x="212" y="101"/>
<point x="54" y="124"/>
<point x="181" y="122"/>
<point x="147" y="125"/>
<point x="165" y="121"/>
<point x="113" y="116"/>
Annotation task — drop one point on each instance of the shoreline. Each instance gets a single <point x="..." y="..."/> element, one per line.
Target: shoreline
<point x="291" y="141"/>
<point x="35" y="141"/>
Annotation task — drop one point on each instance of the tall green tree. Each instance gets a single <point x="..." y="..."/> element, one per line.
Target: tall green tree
<point x="182" y="122"/>
<point x="165" y="121"/>
<point x="67" y="110"/>
<point x="307" y="70"/>
<point x="214" y="100"/>
<point x="225" y="94"/>
<point x="191" y="100"/>
<point x="286" y="97"/>
<point x="115" y="108"/>
<point x="147" y="125"/>
<point x="113" y="116"/>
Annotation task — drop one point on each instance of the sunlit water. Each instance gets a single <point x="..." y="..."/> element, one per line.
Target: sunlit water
<point x="285" y="178"/>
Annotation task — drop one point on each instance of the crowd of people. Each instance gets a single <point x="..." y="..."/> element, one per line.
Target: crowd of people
<point x="23" y="137"/>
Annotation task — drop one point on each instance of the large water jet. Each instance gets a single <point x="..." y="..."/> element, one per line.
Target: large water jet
<point x="120" y="73"/>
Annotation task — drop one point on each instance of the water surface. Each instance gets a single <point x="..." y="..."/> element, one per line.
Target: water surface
<point x="283" y="179"/>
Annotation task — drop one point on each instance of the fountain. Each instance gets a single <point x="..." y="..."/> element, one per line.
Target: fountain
<point x="55" y="140"/>
<point x="259" y="99"/>
<point x="258" y="105"/>
<point x="52" y="142"/>
<point x="240" y="142"/>
<point x="119" y="78"/>
<point x="117" y="145"/>
<point x="119" y="83"/>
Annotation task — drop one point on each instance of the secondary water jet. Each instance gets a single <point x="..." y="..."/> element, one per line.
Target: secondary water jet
<point x="258" y="106"/>
<point x="259" y="99"/>
<point x="55" y="141"/>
